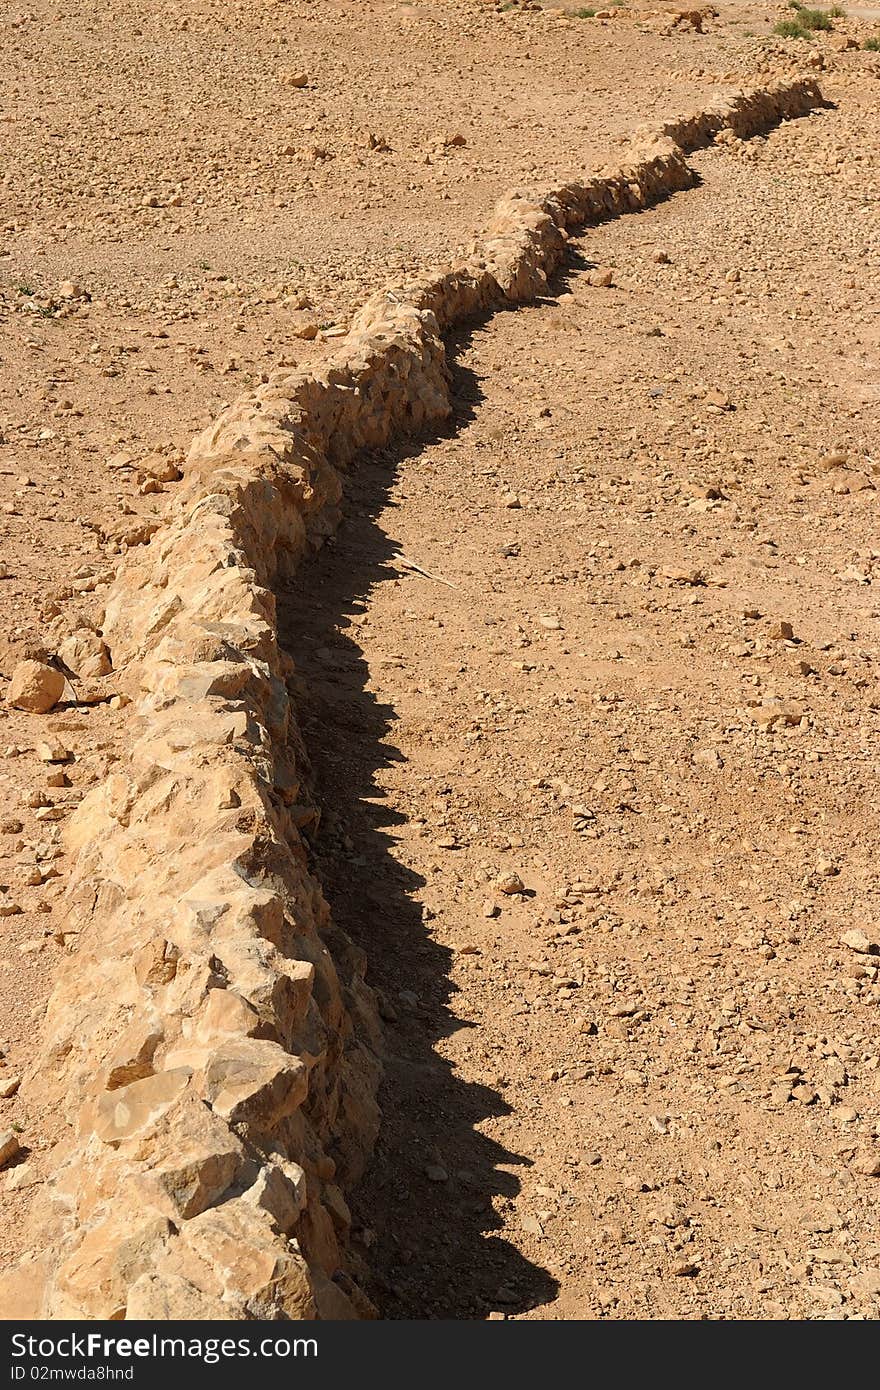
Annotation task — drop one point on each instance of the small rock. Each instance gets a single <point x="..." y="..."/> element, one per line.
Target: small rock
<point x="9" y="1146"/>
<point x="708" y="757"/>
<point x="303" y="326"/>
<point x="867" y="1162"/>
<point x="8" y="1086"/>
<point x="510" y="883"/>
<point x="804" y="1093"/>
<point x="835" y="458"/>
<point x="85" y="653"/>
<point x="600" y="278"/>
<point x="856" y="940"/>
<point x="866" y="1285"/>
<point x="53" y="752"/>
<point x="35" y="687"/>
<point x="160" y="467"/>
<point x="435" y="1173"/>
<point x="23" y="1176"/>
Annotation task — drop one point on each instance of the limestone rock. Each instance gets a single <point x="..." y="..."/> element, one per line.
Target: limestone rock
<point x="231" y="1253"/>
<point x="280" y="1189"/>
<point x="86" y="654"/>
<point x="119" y="1114"/>
<point x="190" y="1153"/>
<point x="93" y="1282"/>
<point x="254" y="1080"/>
<point x="9" y="1146"/>
<point x="35" y="687"/>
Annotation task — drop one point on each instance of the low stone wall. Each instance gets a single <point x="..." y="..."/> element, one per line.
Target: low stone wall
<point x="211" y="1039"/>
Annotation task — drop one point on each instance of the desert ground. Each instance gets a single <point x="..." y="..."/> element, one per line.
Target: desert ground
<point x="587" y="678"/>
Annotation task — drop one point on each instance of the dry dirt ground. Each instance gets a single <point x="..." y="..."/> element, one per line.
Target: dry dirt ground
<point x="646" y="1085"/>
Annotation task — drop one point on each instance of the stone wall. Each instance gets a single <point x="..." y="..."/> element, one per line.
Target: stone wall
<point x="211" y="1040"/>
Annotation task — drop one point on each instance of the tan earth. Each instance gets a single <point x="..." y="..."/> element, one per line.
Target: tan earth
<point x="588" y="680"/>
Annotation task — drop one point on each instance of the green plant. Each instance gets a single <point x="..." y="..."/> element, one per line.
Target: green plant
<point x="789" y="29"/>
<point x="582" y="14"/>
<point x="814" y="19"/>
<point x="26" y="290"/>
<point x="803" y="23"/>
<point x="837" y="12"/>
<point x="872" y="45"/>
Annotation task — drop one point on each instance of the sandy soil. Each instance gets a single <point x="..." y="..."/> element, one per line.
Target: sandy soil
<point x="645" y="1085"/>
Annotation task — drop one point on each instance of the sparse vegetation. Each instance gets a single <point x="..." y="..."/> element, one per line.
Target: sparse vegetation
<point x="789" y="29"/>
<point x="872" y="45"/>
<point x="804" y="23"/>
<point x="583" y="14"/>
<point x="814" y="19"/>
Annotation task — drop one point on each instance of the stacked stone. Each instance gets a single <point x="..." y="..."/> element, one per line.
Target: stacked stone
<point x="211" y="1040"/>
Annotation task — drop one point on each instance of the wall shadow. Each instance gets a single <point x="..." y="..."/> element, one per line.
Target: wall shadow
<point x="424" y="1216"/>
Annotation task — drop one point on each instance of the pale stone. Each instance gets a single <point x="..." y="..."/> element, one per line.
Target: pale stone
<point x="119" y="1114"/>
<point x="280" y="1189"/>
<point x="191" y="1153"/>
<point x="255" y="1080"/>
<point x="35" y="687"/>
<point x="86" y="654"/>
<point x="9" y="1146"/>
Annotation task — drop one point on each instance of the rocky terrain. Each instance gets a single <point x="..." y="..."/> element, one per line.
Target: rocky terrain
<point x="585" y="678"/>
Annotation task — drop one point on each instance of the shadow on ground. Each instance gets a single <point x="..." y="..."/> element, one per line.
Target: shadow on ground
<point x="426" y="1202"/>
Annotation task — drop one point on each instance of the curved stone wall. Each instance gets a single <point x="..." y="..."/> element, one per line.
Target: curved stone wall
<point x="211" y="1040"/>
